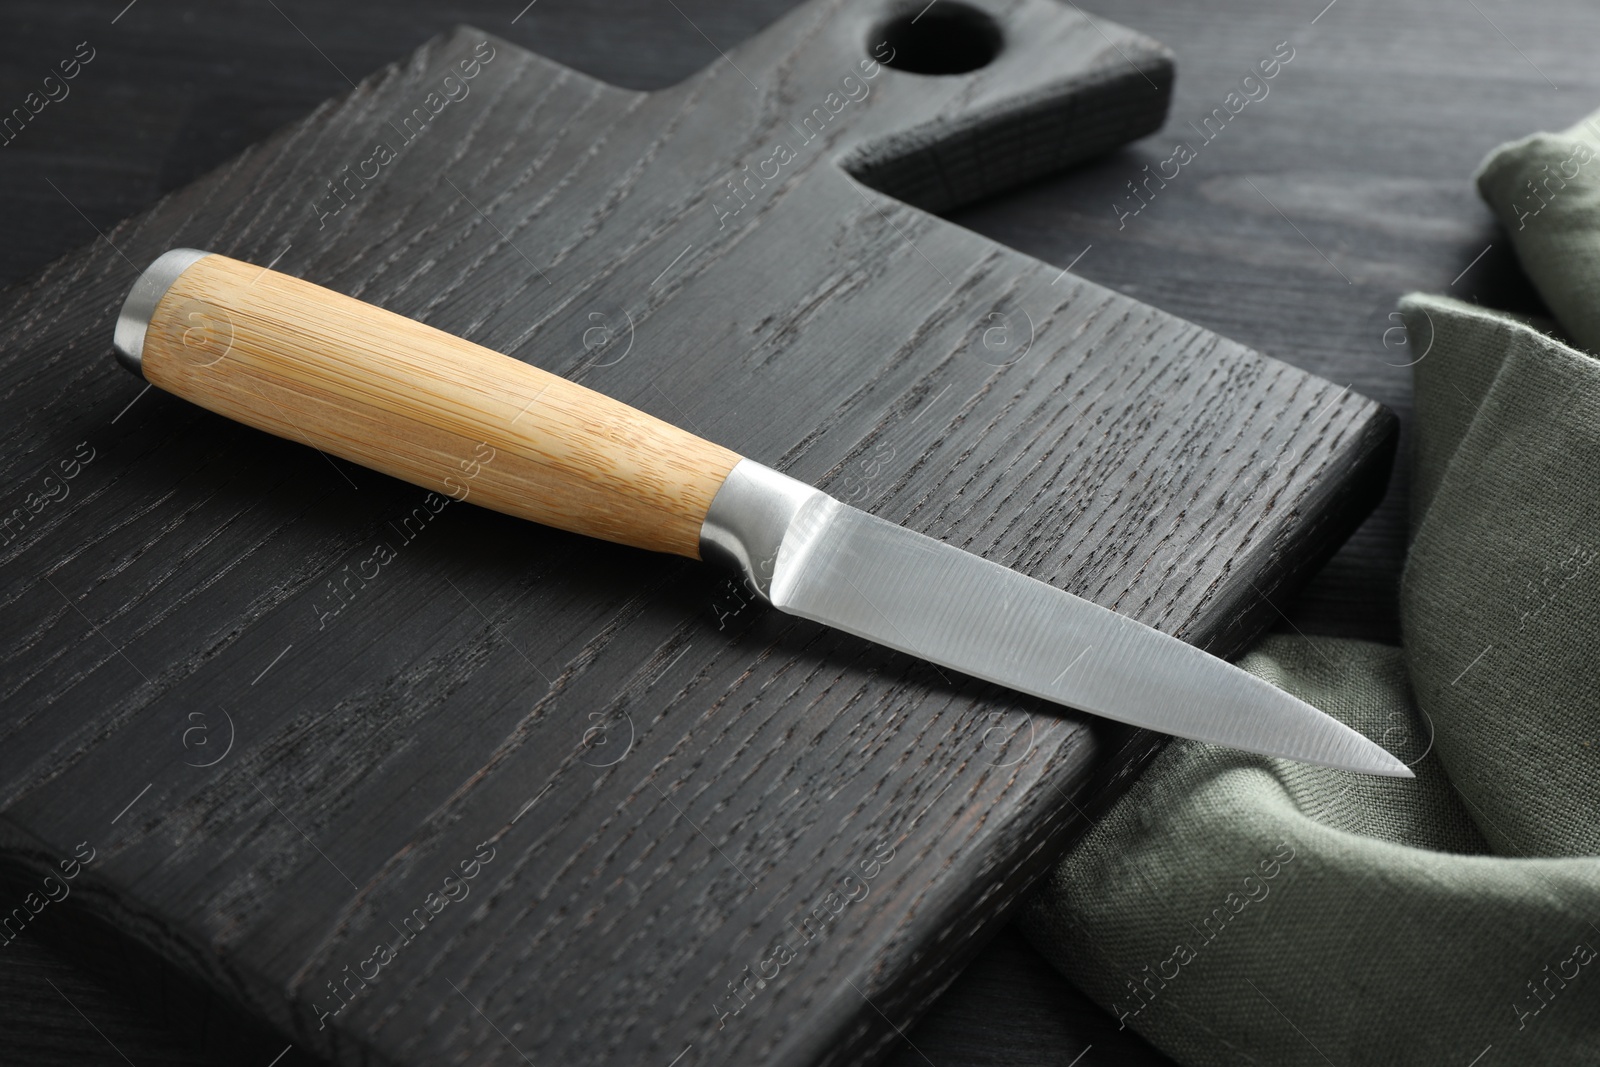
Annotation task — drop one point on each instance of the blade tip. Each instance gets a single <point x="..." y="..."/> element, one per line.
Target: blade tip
<point x="1388" y="766"/>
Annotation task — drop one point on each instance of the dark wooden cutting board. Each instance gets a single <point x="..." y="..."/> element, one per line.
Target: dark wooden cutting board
<point x="289" y="706"/>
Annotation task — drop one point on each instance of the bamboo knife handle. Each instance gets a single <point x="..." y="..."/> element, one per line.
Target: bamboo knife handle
<point x="387" y="392"/>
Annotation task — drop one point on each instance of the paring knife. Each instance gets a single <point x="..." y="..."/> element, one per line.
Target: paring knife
<point x="382" y="390"/>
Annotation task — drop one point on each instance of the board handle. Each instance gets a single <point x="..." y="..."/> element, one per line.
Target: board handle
<point x="387" y="392"/>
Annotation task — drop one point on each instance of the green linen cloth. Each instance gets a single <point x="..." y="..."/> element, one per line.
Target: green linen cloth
<point x="1239" y="909"/>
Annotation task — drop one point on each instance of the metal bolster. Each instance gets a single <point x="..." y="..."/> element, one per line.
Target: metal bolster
<point x="745" y="526"/>
<point x="141" y="303"/>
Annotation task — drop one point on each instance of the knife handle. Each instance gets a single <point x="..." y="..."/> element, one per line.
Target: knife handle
<point x="387" y="392"/>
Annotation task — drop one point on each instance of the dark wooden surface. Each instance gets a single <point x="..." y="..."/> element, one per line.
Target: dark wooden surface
<point x="328" y="706"/>
<point x="1368" y="154"/>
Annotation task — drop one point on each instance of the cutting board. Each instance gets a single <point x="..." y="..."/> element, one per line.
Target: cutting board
<point x="417" y="783"/>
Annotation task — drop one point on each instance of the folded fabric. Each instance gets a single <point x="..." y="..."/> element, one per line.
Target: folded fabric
<point x="1233" y="908"/>
<point x="1546" y="190"/>
<point x="1500" y="606"/>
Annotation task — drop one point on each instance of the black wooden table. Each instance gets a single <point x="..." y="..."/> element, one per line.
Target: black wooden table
<point x="1293" y="232"/>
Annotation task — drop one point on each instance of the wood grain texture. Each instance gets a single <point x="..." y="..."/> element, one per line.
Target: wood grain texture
<point x="754" y="761"/>
<point x="1398" y="102"/>
<point x="364" y="384"/>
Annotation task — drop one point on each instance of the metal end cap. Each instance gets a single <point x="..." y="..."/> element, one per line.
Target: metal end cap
<point x="146" y="293"/>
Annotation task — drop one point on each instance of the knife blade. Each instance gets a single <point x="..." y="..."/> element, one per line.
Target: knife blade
<point x="356" y="381"/>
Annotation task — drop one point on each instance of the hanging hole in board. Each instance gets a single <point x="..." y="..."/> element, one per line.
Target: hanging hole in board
<point x="943" y="37"/>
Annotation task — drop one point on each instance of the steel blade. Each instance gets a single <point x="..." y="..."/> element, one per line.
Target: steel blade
<point x="840" y="566"/>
